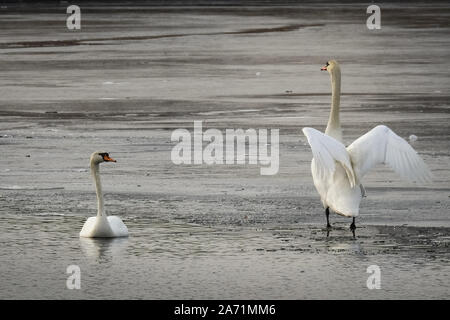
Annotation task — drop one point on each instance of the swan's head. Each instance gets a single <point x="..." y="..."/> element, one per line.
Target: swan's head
<point x="331" y="66"/>
<point x="100" y="156"/>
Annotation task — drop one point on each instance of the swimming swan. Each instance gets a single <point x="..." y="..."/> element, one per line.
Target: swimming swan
<point x="102" y="226"/>
<point x="337" y="171"/>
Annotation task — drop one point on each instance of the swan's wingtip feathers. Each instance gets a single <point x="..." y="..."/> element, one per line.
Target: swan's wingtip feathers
<point x="307" y="131"/>
<point x="382" y="145"/>
<point x="382" y="127"/>
<point x="425" y="176"/>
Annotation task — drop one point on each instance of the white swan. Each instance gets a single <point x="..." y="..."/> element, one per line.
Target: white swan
<point x="337" y="171"/>
<point x="102" y="226"/>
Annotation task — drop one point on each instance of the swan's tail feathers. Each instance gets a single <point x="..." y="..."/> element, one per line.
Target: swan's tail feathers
<point x="382" y="146"/>
<point x="326" y="151"/>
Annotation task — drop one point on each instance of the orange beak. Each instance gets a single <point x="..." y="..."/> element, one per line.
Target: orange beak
<point x="109" y="159"/>
<point x="324" y="68"/>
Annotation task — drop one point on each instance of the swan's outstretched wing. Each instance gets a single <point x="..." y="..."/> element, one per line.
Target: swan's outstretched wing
<point x="382" y="145"/>
<point x="326" y="151"/>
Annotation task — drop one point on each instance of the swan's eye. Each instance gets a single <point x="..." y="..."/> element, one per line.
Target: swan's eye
<point x="327" y="64"/>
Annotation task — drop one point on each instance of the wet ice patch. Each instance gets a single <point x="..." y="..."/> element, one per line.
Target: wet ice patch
<point x="15" y="187"/>
<point x="49" y="214"/>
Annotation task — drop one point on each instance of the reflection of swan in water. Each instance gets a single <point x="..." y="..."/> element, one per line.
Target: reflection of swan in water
<point x="102" y="226"/>
<point x="344" y="247"/>
<point x="103" y="249"/>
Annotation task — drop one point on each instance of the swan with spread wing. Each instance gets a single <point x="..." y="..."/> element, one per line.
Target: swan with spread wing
<point x="338" y="170"/>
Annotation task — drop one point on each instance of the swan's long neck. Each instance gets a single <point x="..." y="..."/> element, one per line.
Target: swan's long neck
<point x="334" y="125"/>
<point x="95" y="171"/>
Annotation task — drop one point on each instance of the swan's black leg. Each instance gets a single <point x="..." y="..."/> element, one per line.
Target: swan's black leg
<point x="353" y="227"/>
<point x="327" y="214"/>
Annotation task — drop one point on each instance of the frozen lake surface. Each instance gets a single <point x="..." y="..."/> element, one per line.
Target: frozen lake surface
<point x="133" y="75"/>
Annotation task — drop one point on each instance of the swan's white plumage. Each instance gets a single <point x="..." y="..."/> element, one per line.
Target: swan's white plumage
<point x="102" y="226"/>
<point x="326" y="151"/>
<point x="98" y="227"/>
<point x="333" y="174"/>
<point x="337" y="171"/>
<point x="382" y="146"/>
